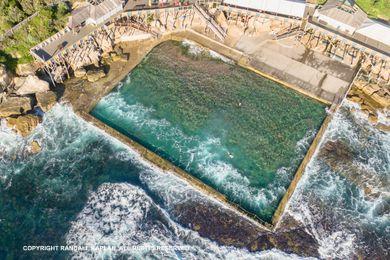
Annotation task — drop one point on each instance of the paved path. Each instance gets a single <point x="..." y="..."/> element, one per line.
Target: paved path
<point x="16" y="27"/>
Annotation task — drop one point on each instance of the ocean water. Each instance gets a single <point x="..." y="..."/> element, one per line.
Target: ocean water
<point x="343" y="198"/>
<point x="240" y="133"/>
<point x="87" y="189"/>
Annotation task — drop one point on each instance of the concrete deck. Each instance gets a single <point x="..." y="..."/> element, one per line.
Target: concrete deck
<point x="64" y="41"/>
<point x="291" y="62"/>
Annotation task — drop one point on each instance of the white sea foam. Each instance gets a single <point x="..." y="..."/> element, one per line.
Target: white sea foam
<point x="196" y="49"/>
<point x="325" y="202"/>
<point x="121" y="213"/>
<point x="204" y="156"/>
<point x="123" y="216"/>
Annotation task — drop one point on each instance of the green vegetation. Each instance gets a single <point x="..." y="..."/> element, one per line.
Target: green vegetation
<point x="376" y="8"/>
<point x="15" y="48"/>
<point x="321" y="2"/>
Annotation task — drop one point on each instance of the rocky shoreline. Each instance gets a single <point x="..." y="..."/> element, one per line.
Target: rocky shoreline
<point x="23" y="100"/>
<point x="373" y="99"/>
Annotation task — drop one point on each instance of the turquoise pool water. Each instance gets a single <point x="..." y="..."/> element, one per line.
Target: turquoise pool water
<point x="240" y="133"/>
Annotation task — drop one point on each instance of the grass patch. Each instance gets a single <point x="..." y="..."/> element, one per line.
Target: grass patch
<point x="15" y="48"/>
<point x="376" y="8"/>
<point x="321" y="2"/>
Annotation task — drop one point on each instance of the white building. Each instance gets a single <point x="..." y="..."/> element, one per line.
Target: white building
<point x="341" y="15"/>
<point x="375" y="34"/>
<point x="291" y="8"/>
<point x="347" y="19"/>
<point x="95" y="12"/>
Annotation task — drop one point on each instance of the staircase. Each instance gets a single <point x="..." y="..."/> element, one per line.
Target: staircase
<point x="137" y="25"/>
<point x="287" y="32"/>
<point x="214" y="26"/>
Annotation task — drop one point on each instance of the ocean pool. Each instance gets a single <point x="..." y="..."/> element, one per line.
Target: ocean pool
<point x="240" y="133"/>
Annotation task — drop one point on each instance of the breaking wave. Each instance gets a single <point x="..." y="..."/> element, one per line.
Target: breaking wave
<point x="114" y="213"/>
<point x="347" y="217"/>
<point x="196" y="49"/>
<point x="124" y="216"/>
<point x="198" y="155"/>
<point x="344" y="201"/>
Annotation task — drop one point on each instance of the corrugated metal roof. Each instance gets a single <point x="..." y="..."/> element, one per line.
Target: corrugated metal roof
<point x="294" y="8"/>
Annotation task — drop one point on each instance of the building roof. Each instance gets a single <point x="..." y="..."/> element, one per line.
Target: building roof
<point x="344" y="12"/>
<point x="92" y="11"/>
<point x="374" y="30"/>
<point x="294" y="8"/>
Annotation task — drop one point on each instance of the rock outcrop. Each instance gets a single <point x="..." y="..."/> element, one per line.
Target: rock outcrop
<point x="46" y="100"/>
<point x="79" y="73"/>
<point x="5" y="78"/>
<point x="119" y="56"/>
<point x="95" y="74"/>
<point x="30" y="85"/>
<point x="23" y="125"/>
<point x="371" y="98"/>
<point x="14" y="106"/>
<point x="339" y="156"/>
<point x="35" y="147"/>
<point x="26" y="69"/>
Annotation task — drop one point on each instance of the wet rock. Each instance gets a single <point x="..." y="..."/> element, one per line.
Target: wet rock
<point x="15" y="106"/>
<point x="25" y="69"/>
<point x="355" y="99"/>
<point x="5" y="78"/>
<point x="373" y="119"/>
<point x="371" y="97"/>
<point x="46" y="100"/>
<point x="23" y="125"/>
<point x="336" y="151"/>
<point x="339" y="157"/>
<point x="30" y="85"/>
<point x="79" y="73"/>
<point x="35" y="147"/>
<point x="383" y="127"/>
<point x="221" y="225"/>
<point x="95" y="74"/>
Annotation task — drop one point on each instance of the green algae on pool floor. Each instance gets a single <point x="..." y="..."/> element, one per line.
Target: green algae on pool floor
<point x="238" y="132"/>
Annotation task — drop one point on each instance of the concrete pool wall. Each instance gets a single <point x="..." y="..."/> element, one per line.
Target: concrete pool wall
<point x="242" y="60"/>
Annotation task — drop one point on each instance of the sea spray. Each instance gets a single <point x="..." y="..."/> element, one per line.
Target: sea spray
<point x="346" y="219"/>
<point x="196" y="50"/>
<point x="237" y="132"/>
<point x="70" y="148"/>
<point x="124" y="217"/>
<point x="86" y="192"/>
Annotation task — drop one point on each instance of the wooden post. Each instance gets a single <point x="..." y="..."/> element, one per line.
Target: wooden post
<point x="48" y="72"/>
